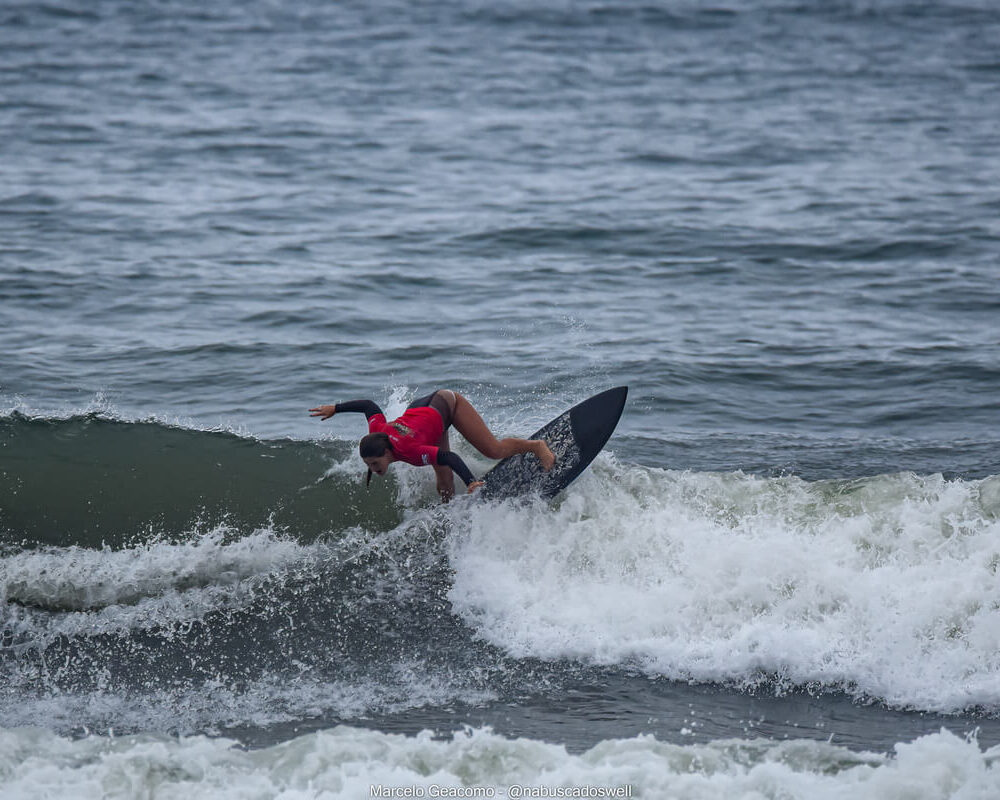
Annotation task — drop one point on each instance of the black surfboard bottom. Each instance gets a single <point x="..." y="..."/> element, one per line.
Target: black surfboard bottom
<point x="575" y="436"/>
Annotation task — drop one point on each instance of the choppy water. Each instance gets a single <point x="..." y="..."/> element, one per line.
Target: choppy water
<point x="776" y="222"/>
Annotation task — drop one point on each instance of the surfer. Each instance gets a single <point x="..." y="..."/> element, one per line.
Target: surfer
<point x="420" y="437"/>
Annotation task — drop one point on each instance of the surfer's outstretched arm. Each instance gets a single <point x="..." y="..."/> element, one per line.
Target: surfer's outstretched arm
<point x="367" y="407"/>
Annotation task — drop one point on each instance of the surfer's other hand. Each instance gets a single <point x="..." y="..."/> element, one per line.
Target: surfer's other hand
<point x="323" y="412"/>
<point x="545" y="455"/>
<point x="476" y="485"/>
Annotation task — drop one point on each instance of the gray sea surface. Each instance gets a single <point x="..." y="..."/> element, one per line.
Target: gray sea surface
<point x="777" y="222"/>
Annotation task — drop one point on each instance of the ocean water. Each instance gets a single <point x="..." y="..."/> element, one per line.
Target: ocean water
<point x="777" y="222"/>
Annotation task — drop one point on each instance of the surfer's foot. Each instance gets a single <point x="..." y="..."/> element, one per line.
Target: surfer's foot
<point x="545" y="455"/>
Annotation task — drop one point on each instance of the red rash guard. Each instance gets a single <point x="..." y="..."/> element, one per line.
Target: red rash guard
<point x="414" y="435"/>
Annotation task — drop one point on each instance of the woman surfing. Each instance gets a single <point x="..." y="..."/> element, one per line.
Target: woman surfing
<point x="420" y="437"/>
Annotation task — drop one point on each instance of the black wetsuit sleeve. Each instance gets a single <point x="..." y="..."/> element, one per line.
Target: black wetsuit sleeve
<point x="446" y="458"/>
<point x="367" y="407"/>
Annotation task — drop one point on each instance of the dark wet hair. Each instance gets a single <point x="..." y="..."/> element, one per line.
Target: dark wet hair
<point x="374" y="445"/>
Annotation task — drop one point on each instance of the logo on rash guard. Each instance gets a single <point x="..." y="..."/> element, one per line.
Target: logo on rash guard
<point x="426" y="459"/>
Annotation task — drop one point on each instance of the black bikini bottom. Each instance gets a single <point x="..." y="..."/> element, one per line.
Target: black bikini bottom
<point x="438" y="403"/>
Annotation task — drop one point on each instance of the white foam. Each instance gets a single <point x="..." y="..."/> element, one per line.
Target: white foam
<point x="886" y="587"/>
<point x="75" y="578"/>
<point x="347" y="762"/>
<point x="219" y="704"/>
<point x="167" y="586"/>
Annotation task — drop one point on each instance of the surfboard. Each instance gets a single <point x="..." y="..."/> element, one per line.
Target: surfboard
<point x="575" y="436"/>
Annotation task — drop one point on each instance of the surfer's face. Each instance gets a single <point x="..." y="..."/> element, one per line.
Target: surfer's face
<point x="379" y="464"/>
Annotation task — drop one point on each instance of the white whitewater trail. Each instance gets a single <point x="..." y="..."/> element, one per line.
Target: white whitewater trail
<point x="886" y="587"/>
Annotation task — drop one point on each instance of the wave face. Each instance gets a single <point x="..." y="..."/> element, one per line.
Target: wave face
<point x="94" y="480"/>
<point x="161" y="578"/>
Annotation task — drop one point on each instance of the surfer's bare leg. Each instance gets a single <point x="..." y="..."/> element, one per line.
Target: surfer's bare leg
<point x="467" y="421"/>
<point x="445" y="476"/>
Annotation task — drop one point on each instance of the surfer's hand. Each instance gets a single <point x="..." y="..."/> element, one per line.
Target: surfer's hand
<point x="545" y="455"/>
<point x="323" y="412"/>
<point x="476" y="485"/>
<point x="446" y="488"/>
